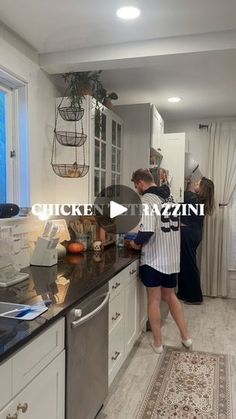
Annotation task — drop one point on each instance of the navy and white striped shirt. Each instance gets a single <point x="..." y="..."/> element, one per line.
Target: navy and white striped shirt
<point x="162" y="250"/>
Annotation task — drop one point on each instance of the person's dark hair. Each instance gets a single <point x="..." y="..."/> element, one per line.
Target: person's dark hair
<point x="206" y="192"/>
<point x="142" y="174"/>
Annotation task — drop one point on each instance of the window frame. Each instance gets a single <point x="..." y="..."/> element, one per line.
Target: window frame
<point x="17" y="166"/>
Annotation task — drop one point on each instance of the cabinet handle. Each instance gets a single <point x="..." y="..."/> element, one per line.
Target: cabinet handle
<point x="133" y="271"/>
<point x="116" y="316"/>
<point x="117" y="284"/>
<point x="15" y="416"/>
<point x="116" y="356"/>
<point x="23" y="407"/>
<point x="180" y="193"/>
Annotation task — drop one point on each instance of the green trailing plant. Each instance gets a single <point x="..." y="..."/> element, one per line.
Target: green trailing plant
<point x="81" y="83"/>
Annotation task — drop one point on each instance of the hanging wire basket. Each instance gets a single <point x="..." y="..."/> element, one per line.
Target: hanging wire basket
<point x="69" y="113"/>
<point x="74" y="170"/>
<point x="70" y="139"/>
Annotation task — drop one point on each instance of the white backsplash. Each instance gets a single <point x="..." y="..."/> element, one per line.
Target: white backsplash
<point x="24" y="232"/>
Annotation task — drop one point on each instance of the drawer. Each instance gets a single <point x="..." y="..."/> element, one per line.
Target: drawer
<point x="134" y="269"/>
<point x="5" y="382"/>
<point x="117" y="282"/>
<point x="132" y="272"/>
<point x="116" y="351"/>
<point x="30" y="360"/>
<point x="116" y="310"/>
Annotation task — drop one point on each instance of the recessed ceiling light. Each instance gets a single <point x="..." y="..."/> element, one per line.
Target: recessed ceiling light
<point x="128" y="12"/>
<point x="174" y="99"/>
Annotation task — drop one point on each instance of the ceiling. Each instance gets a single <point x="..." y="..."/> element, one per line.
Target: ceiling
<point x="185" y="48"/>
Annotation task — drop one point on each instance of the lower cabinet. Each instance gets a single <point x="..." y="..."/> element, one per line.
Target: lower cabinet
<point x="131" y="325"/>
<point x="43" y="397"/>
<point x="35" y="378"/>
<point x="127" y="316"/>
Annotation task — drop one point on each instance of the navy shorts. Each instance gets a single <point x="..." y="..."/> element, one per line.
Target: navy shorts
<point x="150" y="277"/>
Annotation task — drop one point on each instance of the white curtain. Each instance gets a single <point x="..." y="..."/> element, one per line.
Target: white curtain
<point x="222" y="170"/>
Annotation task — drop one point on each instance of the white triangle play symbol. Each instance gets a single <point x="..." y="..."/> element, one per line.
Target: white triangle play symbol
<point x="116" y="209"/>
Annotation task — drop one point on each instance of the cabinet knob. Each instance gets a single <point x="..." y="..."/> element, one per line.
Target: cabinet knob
<point x="15" y="416"/>
<point x="23" y="407"/>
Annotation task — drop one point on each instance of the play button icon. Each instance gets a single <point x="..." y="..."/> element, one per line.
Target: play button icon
<point x="119" y="207"/>
<point x="116" y="209"/>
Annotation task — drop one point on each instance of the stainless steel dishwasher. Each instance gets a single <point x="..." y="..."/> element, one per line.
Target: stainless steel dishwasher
<point x="87" y="356"/>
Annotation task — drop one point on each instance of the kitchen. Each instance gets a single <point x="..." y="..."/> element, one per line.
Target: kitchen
<point x="190" y="57"/>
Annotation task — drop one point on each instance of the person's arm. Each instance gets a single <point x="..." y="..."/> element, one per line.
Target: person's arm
<point x="142" y="237"/>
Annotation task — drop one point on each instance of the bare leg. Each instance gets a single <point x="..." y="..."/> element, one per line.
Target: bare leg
<point x="154" y="314"/>
<point x="176" y="309"/>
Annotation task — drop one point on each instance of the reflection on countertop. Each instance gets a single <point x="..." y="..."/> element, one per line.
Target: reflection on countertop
<point x="64" y="284"/>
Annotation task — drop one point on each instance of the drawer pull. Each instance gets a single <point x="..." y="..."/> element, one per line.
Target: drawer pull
<point x="23" y="407"/>
<point x="116" y="316"/>
<point x="133" y="271"/>
<point x="15" y="416"/>
<point x="116" y="356"/>
<point x="117" y="284"/>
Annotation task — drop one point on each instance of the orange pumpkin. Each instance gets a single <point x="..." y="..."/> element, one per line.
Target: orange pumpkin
<point x="75" y="247"/>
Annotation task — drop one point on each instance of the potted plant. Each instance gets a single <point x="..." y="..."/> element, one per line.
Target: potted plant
<point x="79" y="84"/>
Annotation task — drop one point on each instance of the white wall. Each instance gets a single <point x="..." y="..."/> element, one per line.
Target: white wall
<point x="20" y="60"/>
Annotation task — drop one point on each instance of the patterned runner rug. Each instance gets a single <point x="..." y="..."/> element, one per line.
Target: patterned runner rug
<point x="188" y="385"/>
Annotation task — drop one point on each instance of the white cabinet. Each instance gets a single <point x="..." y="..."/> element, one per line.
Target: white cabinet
<point x="125" y="323"/>
<point x="103" y="153"/>
<point x="157" y="129"/>
<point x="143" y="129"/>
<point x="173" y="160"/>
<point x="131" y="307"/>
<point x="35" y="378"/>
<point x="43" y="397"/>
<point x="142" y="306"/>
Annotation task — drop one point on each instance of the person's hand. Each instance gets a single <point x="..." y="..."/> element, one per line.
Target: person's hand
<point x="134" y="245"/>
<point x="188" y="179"/>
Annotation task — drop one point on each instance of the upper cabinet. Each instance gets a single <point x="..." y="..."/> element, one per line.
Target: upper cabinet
<point x="137" y="137"/>
<point x="102" y="152"/>
<point x="174" y="161"/>
<point x="106" y="141"/>
<point x="157" y="130"/>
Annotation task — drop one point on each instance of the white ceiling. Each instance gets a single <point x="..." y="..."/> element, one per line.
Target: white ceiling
<point x="55" y="25"/>
<point x="206" y="81"/>
<point x="182" y="47"/>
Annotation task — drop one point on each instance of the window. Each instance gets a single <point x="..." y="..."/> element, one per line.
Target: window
<point x="14" y="158"/>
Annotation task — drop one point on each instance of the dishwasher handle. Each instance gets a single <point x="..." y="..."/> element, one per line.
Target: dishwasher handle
<point x="93" y="313"/>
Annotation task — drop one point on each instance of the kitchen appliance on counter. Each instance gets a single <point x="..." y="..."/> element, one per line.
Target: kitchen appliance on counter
<point x="87" y="356"/>
<point x="107" y="231"/>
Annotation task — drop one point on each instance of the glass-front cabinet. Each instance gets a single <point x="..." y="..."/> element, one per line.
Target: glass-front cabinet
<point x="106" y="149"/>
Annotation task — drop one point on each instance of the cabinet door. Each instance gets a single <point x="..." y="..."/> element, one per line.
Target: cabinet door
<point x="173" y="161"/>
<point x="100" y="158"/>
<point x="43" y="397"/>
<point x="157" y="129"/>
<point x="142" y="306"/>
<point x="131" y="315"/>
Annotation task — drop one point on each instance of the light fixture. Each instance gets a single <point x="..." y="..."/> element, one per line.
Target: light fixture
<point x="128" y="12"/>
<point x="174" y="99"/>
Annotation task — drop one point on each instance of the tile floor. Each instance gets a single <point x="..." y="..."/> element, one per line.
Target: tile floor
<point x="213" y="329"/>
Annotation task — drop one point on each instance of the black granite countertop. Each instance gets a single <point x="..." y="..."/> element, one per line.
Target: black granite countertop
<point x="66" y="284"/>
